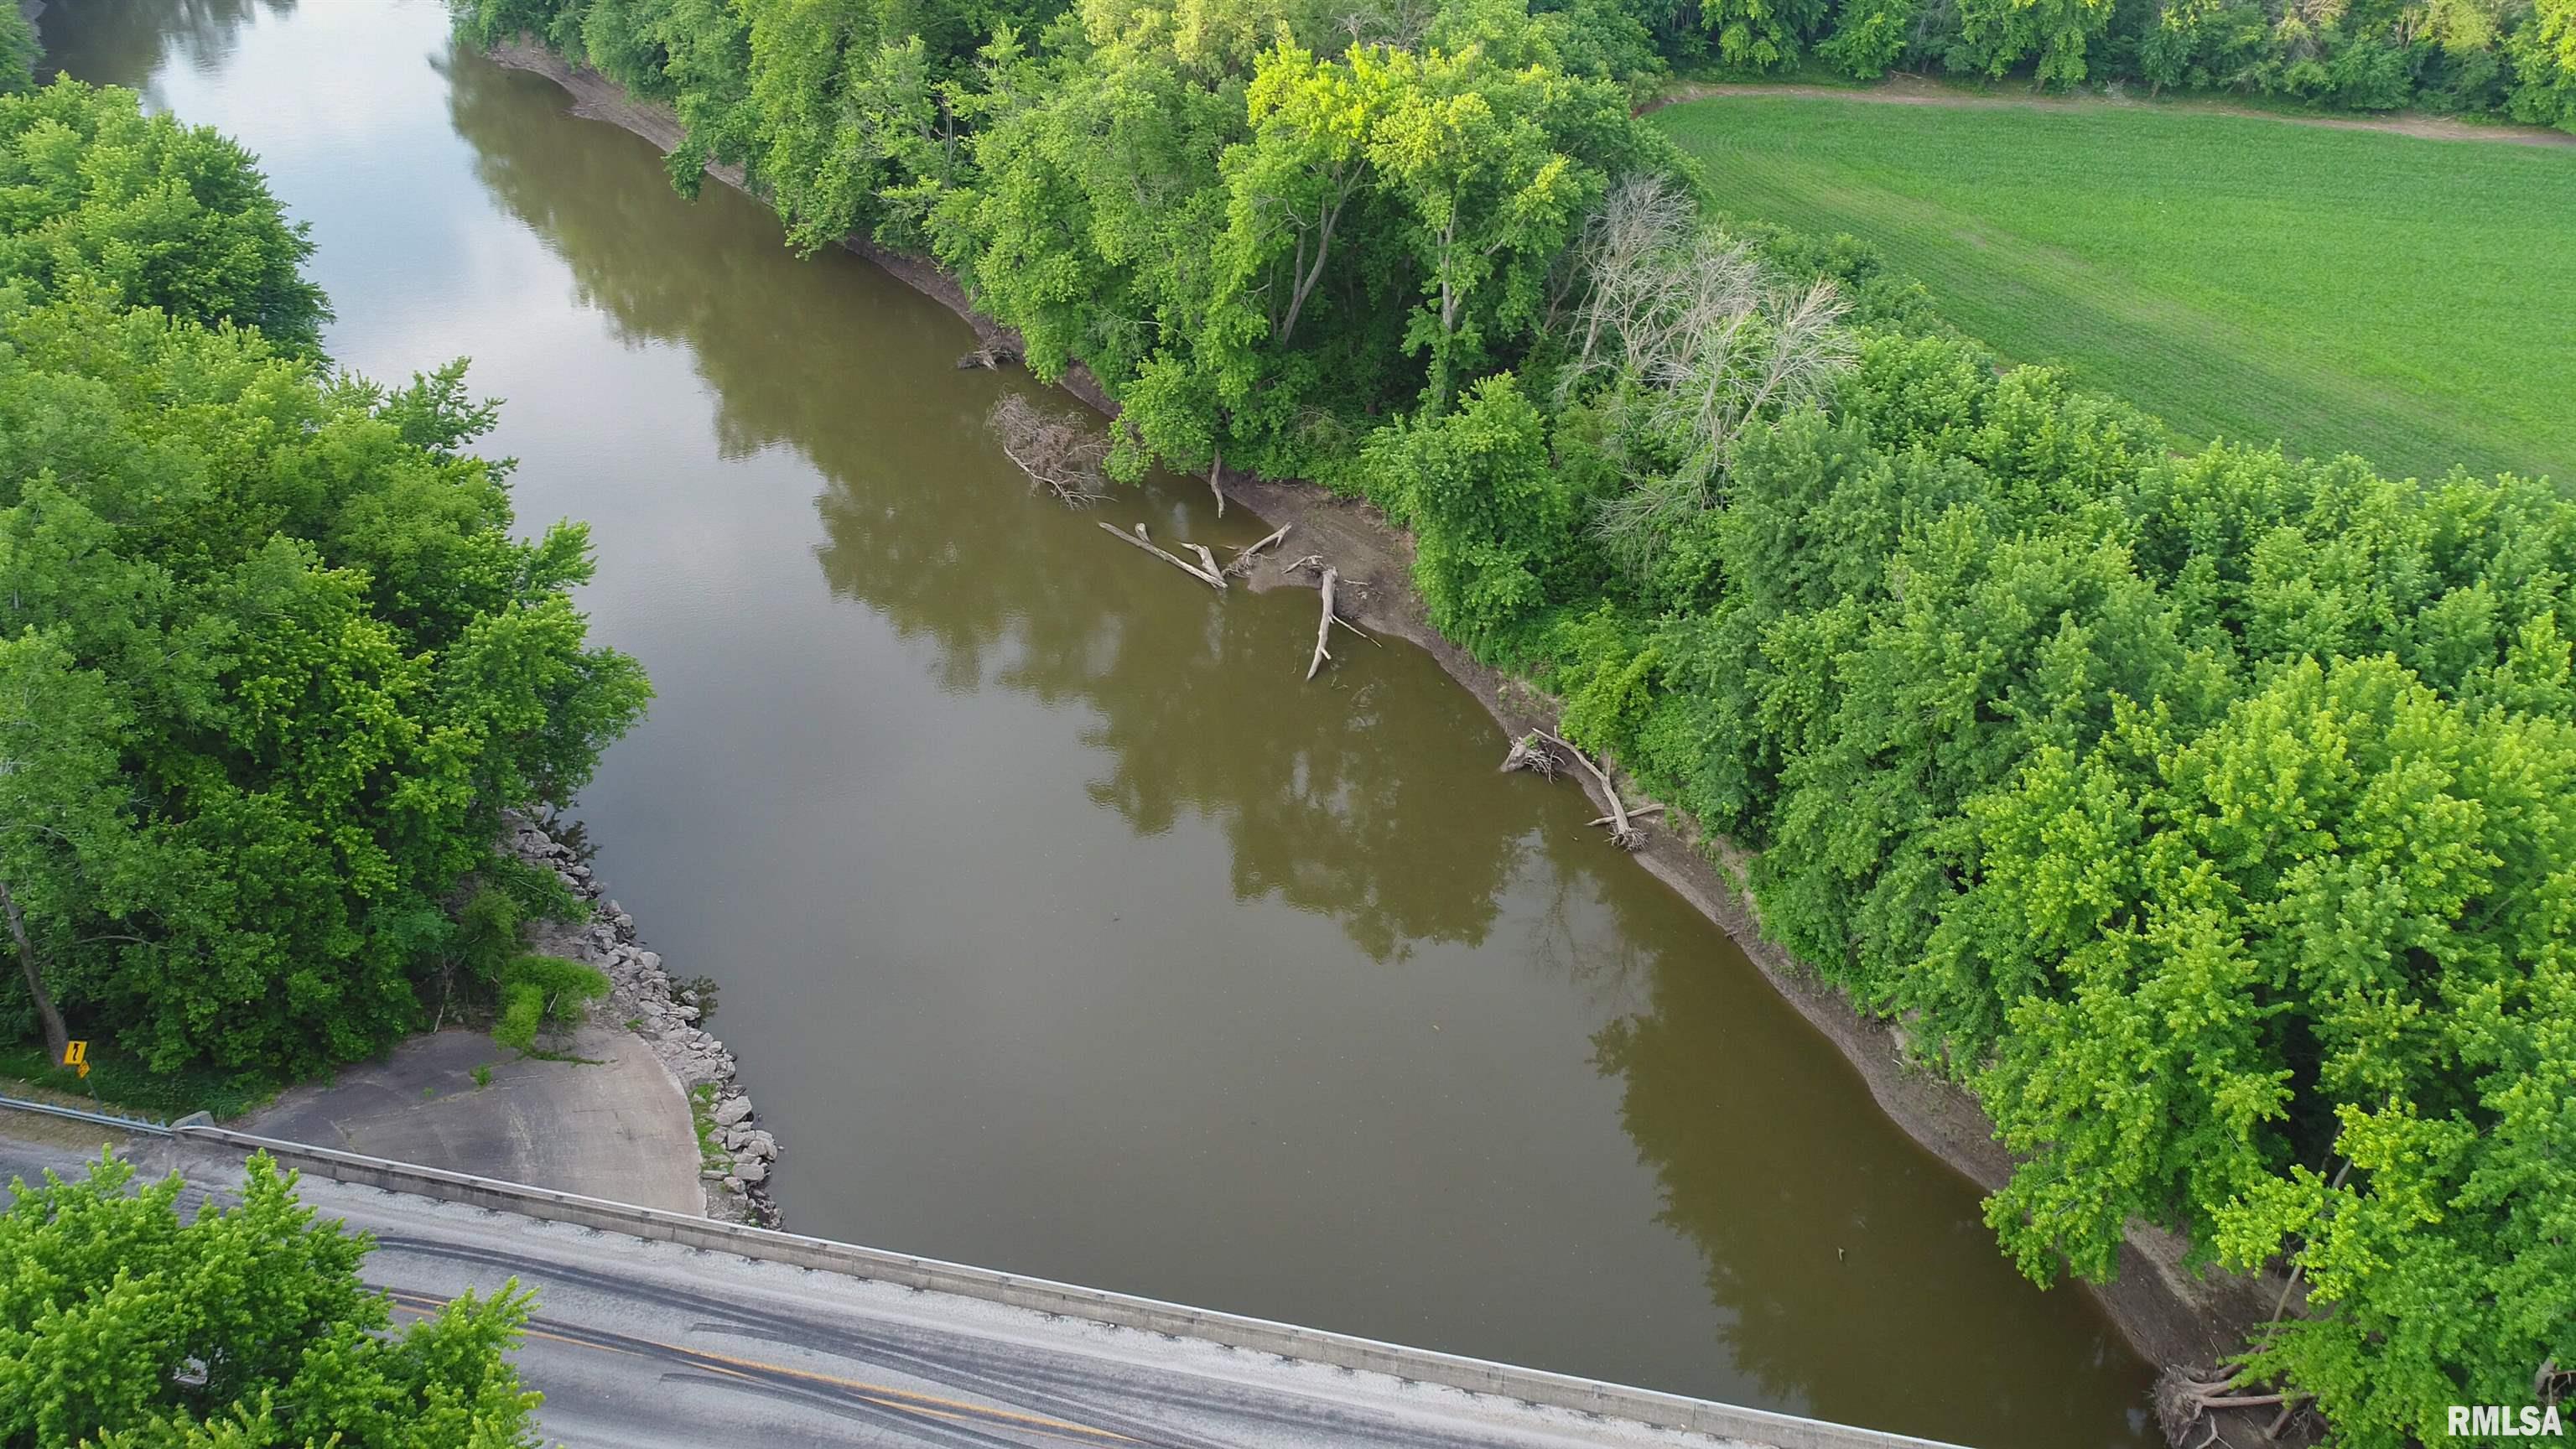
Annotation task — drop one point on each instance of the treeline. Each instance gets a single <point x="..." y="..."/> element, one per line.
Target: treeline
<point x="271" y="662"/>
<point x="2213" y="815"/>
<point x="2516" y="58"/>
<point x="2511" y="58"/>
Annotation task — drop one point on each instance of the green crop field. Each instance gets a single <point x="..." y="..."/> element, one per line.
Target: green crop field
<point x="2410" y="300"/>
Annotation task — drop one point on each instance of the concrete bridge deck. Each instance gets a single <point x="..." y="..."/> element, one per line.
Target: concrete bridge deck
<point x="660" y="1329"/>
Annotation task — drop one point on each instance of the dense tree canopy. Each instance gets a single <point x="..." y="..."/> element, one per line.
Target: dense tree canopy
<point x="155" y="213"/>
<point x="2202" y="811"/>
<point x="277" y="663"/>
<point x="271" y="661"/>
<point x="123" y="1327"/>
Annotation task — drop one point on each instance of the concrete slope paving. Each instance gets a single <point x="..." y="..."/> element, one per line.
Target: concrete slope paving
<point x="613" y="1124"/>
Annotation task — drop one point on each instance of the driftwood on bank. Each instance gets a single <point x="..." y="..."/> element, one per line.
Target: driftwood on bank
<point x="1324" y="626"/>
<point x="1208" y="575"/>
<point x="1546" y="754"/>
<point x="1529" y="753"/>
<point x="1243" y="557"/>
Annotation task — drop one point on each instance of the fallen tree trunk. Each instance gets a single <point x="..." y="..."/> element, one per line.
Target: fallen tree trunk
<point x="1324" y="626"/>
<point x="1640" y="813"/>
<point x="1623" y="833"/>
<point x="1213" y="572"/>
<point x="1216" y="464"/>
<point x="1140" y="539"/>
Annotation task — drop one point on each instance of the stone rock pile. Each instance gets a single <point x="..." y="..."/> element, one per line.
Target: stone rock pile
<point x="666" y="1017"/>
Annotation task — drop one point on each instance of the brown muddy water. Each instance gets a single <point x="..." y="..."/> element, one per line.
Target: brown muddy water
<point x="1061" y="928"/>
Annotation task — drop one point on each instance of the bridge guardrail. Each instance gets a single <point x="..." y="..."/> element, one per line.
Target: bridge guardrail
<point x="1471" y="1375"/>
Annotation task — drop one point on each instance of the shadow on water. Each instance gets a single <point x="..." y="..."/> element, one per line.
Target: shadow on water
<point x="1064" y="927"/>
<point x="1319" y="806"/>
<point x="199" y="34"/>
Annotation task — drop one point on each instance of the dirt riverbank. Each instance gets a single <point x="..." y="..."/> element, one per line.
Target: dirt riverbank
<point x="2171" y="1315"/>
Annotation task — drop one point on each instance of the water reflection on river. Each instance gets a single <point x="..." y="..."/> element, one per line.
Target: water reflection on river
<point x="1061" y="927"/>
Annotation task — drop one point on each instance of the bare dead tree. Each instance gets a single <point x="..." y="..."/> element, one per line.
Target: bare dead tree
<point x="1624" y="833"/>
<point x="1701" y="337"/>
<point x="1056" y="450"/>
<point x="1619" y="256"/>
<point x="1396" y="24"/>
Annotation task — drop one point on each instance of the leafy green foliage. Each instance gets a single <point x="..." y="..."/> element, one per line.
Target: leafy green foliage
<point x="18" y="52"/>
<point x="155" y="213"/>
<point x="1475" y="485"/>
<point x="2544" y="56"/>
<point x="123" y="1327"/>
<point x="273" y="665"/>
<point x="540" y="990"/>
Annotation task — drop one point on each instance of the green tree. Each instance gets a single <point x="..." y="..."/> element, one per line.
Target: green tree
<point x="159" y="214"/>
<point x="2544" y="58"/>
<point x="1997" y="35"/>
<point x="18" y="52"/>
<point x="123" y="1327"/>
<point x="290" y="610"/>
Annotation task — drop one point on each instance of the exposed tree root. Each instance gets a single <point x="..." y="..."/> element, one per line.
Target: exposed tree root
<point x="1536" y="755"/>
<point x="1243" y="557"/>
<point x="2185" y="1402"/>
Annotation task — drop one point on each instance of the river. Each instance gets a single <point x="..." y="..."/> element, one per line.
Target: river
<point x="1060" y="928"/>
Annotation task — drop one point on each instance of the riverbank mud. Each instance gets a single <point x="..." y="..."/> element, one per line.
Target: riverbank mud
<point x="2171" y="1314"/>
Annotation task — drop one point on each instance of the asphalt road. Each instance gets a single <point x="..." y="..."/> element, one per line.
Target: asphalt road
<point x="641" y="1345"/>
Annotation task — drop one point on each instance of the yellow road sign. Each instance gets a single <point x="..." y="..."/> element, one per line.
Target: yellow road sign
<point x="76" y="1054"/>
